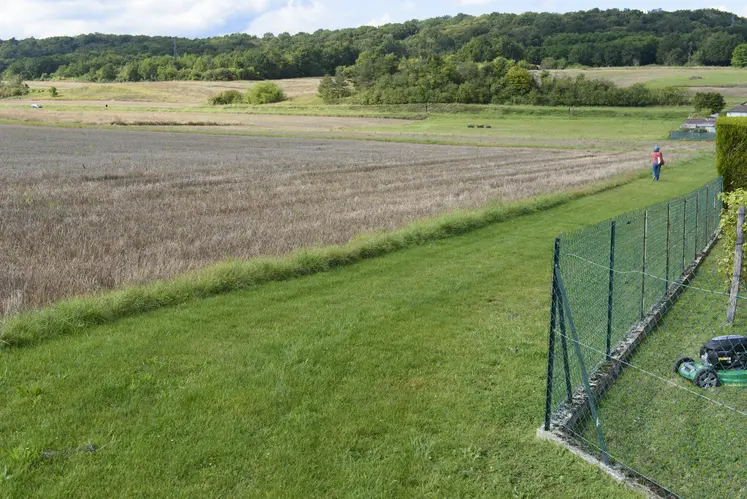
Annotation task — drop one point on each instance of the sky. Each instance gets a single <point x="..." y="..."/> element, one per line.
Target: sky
<point x="202" y="18"/>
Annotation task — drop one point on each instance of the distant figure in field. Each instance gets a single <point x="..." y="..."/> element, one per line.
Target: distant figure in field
<point x="657" y="160"/>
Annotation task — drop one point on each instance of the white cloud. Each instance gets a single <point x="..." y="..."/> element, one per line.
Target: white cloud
<point x="474" y="2"/>
<point x="408" y="6"/>
<point x="198" y="18"/>
<point x="42" y="18"/>
<point x="740" y="11"/>
<point x="297" y="16"/>
<point x="380" y="21"/>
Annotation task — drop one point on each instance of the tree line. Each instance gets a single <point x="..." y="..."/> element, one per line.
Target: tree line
<point x="388" y="80"/>
<point x="591" y="38"/>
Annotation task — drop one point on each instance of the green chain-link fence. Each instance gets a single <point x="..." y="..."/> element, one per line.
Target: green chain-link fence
<point x="630" y="295"/>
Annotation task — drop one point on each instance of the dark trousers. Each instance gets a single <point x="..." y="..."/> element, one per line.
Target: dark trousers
<point x="657" y="170"/>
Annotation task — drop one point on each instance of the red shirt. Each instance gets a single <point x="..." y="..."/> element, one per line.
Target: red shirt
<point x="657" y="158"/>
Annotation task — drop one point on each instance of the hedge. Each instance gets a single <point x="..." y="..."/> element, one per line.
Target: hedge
<point x="731" y="152"/>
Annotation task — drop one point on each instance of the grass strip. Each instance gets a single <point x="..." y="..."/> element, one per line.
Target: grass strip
<point x="314" y="136"/>
<point x="69" y="316"/>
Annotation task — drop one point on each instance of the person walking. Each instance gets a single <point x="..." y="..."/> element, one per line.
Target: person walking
<point x="657" y="160"/>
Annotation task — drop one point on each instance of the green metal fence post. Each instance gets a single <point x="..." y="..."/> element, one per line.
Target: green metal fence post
<point x="611" y="288"/>
<point x="707" y="225"/>
<point x="553" y="322"/>
<point x="584" y="374"/>
<point x="697" y="236"/>
<point x="684" y="234"/>
<point x="564" y="347"/>
<point x="669" y="224"/>
<point x="643" y="275"/>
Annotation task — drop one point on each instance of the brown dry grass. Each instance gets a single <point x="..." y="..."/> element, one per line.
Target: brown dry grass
<point x="193" y="92"/>
<point x="241" y="121"/>
<point x="88" y="210"/>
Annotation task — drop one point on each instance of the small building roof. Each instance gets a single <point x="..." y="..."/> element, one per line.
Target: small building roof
<point x="741" y="108"/>
<point x="700" y="121"/>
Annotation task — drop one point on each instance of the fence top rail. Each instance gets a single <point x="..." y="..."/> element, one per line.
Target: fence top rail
<point x="576" y="234"/>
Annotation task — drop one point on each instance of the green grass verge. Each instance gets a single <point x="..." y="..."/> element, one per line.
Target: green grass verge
<point x="73" y="315"/>
<point x="417" y="374"/>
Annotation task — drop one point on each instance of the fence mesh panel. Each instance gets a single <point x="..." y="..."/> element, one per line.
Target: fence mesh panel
<point x="630" y="297"/>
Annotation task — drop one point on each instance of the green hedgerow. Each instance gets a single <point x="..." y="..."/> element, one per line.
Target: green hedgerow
<point x="731" y="152"/>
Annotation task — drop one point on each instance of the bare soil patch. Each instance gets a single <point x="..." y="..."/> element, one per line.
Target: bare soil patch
<point x="88" y="210"/>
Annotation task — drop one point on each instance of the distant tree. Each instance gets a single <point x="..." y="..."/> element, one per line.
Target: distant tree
<point x="711" y="101"/>
<point x="129" y="73"/>
<point x="519" y="80"/>
<point x="717" y="49"/>
<point x="332" y="89"/>
<point x="739" y="56"/>
<point x="506" y="47"/>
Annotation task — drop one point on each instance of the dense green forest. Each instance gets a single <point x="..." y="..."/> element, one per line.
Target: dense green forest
<point x="591" y="38"/>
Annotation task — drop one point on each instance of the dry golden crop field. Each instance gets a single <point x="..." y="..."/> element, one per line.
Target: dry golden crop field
<point x="192" y="92"/>
<point x="89" y="210"/>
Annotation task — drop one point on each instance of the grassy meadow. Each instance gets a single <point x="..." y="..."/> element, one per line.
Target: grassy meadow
<point x="631" y="129"/>
<point x="419" y="373"/>
<point x="659" y="77"/>
<point x="184" y="105"/>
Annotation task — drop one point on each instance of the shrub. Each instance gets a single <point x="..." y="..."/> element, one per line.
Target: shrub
<point x="731" y="152"/>
<point x="732" y="201"/>
<point x="14" y="88"/>
<point x="526" y="65"/>
<point x="519" y="80"/>
<point x="711" y="101"/>
<point x="53" y="91"/>
<point x="672" y="96"/>
<point x="265" y="92"/>
<point x="227" y="97"/>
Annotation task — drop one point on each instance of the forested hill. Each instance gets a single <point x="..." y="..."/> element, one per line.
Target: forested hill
<point x="591" y="38"/>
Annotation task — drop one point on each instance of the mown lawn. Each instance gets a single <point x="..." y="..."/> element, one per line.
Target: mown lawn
<point x="420" y="373"/>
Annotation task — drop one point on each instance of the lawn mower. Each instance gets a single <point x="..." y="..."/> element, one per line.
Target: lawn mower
<point x="723" y="362"/>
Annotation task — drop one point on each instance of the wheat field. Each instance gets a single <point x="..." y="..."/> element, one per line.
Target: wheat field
<point x="89" y="210"/>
